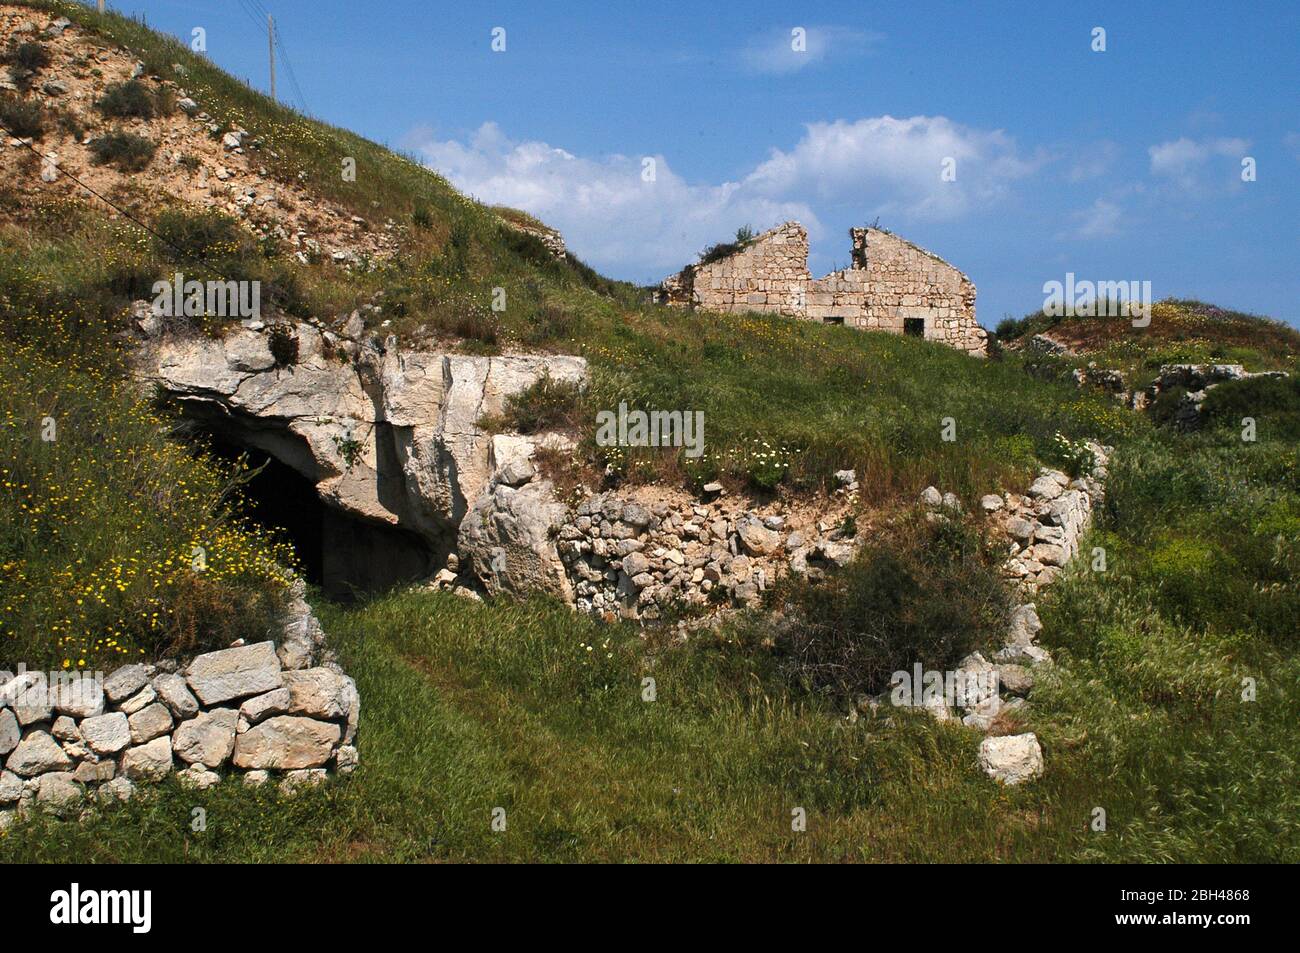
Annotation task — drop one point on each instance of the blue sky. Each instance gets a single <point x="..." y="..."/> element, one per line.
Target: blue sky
<point x="1116" y="165"/>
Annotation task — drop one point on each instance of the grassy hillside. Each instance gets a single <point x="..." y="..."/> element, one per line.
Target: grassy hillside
<point x="469" y="707"/>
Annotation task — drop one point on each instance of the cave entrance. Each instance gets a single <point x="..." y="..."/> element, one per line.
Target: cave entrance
<point x="343" y="554"/>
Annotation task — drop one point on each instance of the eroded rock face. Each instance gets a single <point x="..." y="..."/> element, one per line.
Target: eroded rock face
<point x="386" y="435"/>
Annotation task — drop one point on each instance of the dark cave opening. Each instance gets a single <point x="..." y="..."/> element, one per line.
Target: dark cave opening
<point x="345" y="555"/>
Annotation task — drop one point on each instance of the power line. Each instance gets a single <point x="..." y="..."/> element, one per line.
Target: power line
<point x="123" y="212"/>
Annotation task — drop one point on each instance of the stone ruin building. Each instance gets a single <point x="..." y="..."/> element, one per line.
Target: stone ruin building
<point x="891" y="285"/>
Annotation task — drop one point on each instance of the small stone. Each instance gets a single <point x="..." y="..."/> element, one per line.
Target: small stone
<point x="302" y="777"/>
<point x="197" y="778"/>
<point x="264" y="706"/>
<point x="346" y="759"/>
<point x="991" y="503"/>
<point x="253" y="779"/>
<point x="148" y="762"/>
<point x="37" y="754"/>
<point x="208" y="738"/>
<point x="125" y="682"/>
<point x="176" y="695"/>
<point x="10" y="733"/>
<point x="118" y="790"/>
<point x="150" y="722"/>
<point x="65" y="729"/>
<point x="107" y="734"/>
<point x="931" y="497"/>
<point x="140" y="700"/>
<point x="1012" y="759"/>
<point x="1016" y="679"/>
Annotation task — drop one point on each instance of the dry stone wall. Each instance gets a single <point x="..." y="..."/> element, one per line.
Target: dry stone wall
<point x="260" y="712"/>
<point x="892" y="285"/>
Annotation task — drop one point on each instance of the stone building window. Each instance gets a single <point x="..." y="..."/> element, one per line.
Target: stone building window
<point x="834" y="319"/>
<point x="914" y="327"/>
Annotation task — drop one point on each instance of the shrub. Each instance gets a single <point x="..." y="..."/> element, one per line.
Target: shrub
<point x="1273" y="402"/>
<point x="197" y="236"/>
<point x="128" y="100"/>
<point x="284" y="346"/>
<point x="927" y="593"/>
<point x="127" y="151"/>
<point x="548" y="404"/>
<point x="421" y="217"/>
<point x="23" y="119"/>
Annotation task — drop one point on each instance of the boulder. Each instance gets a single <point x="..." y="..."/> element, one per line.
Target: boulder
<point x="286" y="742"/>
<point x="207" y="739"/>
<point x="235" y="673"/>
<point x="509" y="539"/>
<point x="1012" y="759"/>
<point x="1025" y="625"/>
<point x="58" y="792"/>
<point x="11" y="787"/>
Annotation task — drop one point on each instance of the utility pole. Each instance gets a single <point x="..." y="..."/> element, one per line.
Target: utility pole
<point x="101" y="6"/>
<point x="270" y="45"/>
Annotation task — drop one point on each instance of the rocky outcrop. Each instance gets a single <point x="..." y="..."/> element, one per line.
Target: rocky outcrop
<point x="254" y="708"/>
<point x="387" y="436"/>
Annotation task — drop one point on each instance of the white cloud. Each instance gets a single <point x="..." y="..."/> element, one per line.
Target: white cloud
<point x="1099" y="220"/>
<point x="776" y="52"/>
<point x="620" y="223"/>
<point x="1183" y="160"/>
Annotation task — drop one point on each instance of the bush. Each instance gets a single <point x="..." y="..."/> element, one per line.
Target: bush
<point x="23" y="119"/>
<point x="1273" y="402"/>
<point x="26" y="60"/>
<point x="128" y="100"/>
<point x="127" y="151"/>
<point x="548" y="404"/>
<point x="198" y="236"/>
<point x="927" y="593"/>
<point x="284" y="346"/>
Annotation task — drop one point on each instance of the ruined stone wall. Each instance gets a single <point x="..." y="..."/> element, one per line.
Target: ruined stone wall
<point x="769" y="274"/>
<point x="891" y="285"/>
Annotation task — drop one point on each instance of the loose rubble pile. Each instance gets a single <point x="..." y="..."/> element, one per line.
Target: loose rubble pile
<point x="1044" y="526"/>
<point x="252" y="710"/>
<point x="630" y="560"/>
